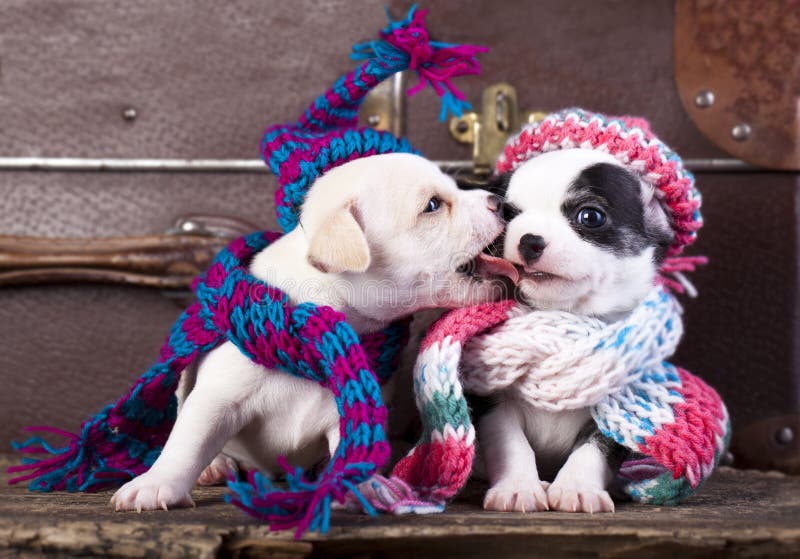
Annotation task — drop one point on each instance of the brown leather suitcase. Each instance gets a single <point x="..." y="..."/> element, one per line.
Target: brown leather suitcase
<point x="159" y="109"/>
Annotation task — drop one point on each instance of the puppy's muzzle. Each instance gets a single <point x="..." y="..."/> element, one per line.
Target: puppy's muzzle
<point x="531" y="247"/>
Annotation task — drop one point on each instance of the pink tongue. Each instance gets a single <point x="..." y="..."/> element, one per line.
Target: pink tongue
<point x="497" y="266"/>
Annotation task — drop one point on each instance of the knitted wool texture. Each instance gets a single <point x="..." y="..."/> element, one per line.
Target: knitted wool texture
<point x="553" y="360"/>
<point x="125" y="438"/>
<point x="327" y="135"/>
<point x="675" y="424"/>
<point x="632" y="143"/>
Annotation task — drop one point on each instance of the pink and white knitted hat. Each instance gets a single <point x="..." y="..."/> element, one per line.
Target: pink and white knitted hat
<point x="631" y="141"/>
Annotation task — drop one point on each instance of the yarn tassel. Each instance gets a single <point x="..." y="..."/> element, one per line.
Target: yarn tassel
<point x="328" y="134"/>
<point x="392" y="495"/>
<point x="78" y="466"/>
<point x="50" y="473"/>
<point x="304" y="504"/>
<point x="405" y="44"/>
<point x="675" y="266"/>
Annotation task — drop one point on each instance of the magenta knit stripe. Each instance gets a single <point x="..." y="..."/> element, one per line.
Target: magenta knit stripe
<point x="466" y="322"/>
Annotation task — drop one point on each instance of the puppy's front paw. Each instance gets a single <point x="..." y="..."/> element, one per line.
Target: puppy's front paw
<point x="507" y="497"/>
<point x="149" y="492"/>
<point x="576" y="498"/>
<point x="218" y="472"/>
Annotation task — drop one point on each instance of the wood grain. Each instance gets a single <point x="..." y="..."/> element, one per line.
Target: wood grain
<point x="737" y="514"/>
<point x="163" y="261"/>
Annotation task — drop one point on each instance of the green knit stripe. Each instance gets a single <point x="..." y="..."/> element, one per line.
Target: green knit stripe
<point x="442" y="410"/>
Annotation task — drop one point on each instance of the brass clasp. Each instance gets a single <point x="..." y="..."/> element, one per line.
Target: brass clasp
<point x="489" y="130"/>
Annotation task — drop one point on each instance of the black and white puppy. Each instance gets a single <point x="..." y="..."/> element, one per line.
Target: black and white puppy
<point x="587" y="236"/>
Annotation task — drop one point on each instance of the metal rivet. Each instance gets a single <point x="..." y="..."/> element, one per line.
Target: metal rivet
<point x="373" y="120"/>
<point x="129" y="114"/>
<point x="704" y="98"/>
<point x="727" y="458"/>
<point x="784" y="436"/>
<point x="462" y="127"/>
<point x="741" y="132"/>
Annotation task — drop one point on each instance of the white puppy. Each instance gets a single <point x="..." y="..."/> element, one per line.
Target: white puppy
<point x="380" y="238"/>
<point x="588" y="237"/>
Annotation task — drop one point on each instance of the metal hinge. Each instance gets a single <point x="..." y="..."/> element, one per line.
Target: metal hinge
<point x="384" y="108"/>
<point x="487" y="131"/>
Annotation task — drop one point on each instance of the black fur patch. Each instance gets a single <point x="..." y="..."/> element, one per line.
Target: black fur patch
<point x="510" y="211"/>
<point x="498" y="184"/>
<point x="617" y="193"/>
<point x="614" y="452"/>
<point x="468" y="182"/>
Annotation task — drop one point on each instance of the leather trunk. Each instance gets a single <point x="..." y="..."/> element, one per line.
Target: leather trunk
<point x="199" y="80"/>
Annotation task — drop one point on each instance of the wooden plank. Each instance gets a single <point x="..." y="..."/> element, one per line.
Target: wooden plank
<point x="738" y="513"/>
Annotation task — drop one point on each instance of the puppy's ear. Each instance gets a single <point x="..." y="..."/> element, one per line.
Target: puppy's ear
<point x="339" y="244"/>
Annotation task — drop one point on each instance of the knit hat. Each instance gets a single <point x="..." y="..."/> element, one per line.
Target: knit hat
<point x="630" y="140"/>
<point x="327" y="135"/>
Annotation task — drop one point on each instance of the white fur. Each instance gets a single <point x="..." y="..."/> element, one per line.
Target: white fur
<point x="591" y="281"/>
<point x="515" y="437"/>
<point x="252" y="414"/>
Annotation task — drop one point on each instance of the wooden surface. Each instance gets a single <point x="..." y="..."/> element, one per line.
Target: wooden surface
<point x="737" y="514"/>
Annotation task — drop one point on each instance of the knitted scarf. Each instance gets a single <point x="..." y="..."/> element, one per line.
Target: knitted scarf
<point x="316" y="343"/>
<point x="675" y="426"/>
<point x="313" y="342"/>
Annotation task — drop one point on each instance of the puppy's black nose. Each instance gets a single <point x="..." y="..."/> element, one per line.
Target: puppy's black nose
<point x="495" y="203"/>
<point x="531" y="247"/>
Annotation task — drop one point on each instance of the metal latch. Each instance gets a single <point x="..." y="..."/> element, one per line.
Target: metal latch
<point x="488" y="130"/>
<point x="385" y="106"/>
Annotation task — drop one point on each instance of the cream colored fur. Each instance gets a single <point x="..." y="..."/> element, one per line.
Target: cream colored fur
<point x="365" y="247"/>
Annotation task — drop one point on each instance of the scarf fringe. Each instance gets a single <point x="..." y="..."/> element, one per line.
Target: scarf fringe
<point x="125" y="438"/>
<point x="305" y="504"/>
<point x="75" y="467"/>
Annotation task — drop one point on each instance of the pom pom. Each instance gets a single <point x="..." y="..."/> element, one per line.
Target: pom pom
<point x="405" y="44"/>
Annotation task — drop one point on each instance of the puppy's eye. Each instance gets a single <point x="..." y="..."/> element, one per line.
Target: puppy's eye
<point x="591" y="217"/>
<point x="432" y="205"/>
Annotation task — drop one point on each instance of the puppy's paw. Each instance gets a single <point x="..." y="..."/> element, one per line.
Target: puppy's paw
<point x="506" y="497"/>
<point x="576" y="498"/>
<point x="149" y="492"/>
<point x="218" y="472"/>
